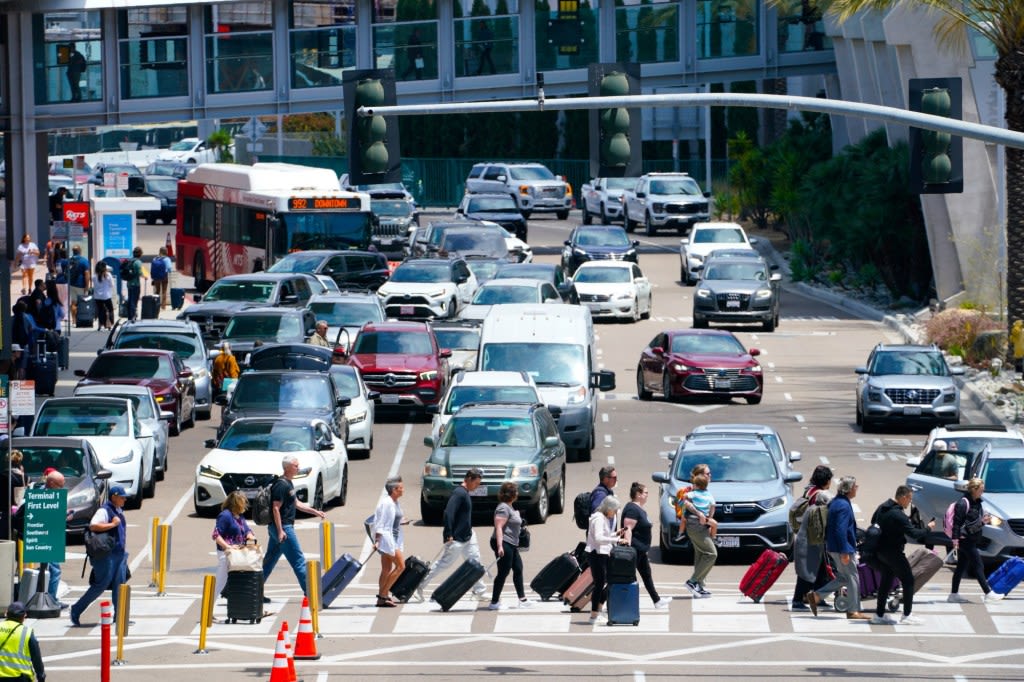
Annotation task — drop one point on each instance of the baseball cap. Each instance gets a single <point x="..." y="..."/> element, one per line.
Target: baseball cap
<point x="119" y="490"/>
<point x="940" y="446"/>
<point x="16" y="348"/>
<point x="16" y="609"/>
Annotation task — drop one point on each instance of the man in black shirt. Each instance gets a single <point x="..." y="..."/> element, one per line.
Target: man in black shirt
<point x="608" y="477"/>
<point x="459" y="536"/>
<point x="890" y="560"/>
<point x="282" y="529"/>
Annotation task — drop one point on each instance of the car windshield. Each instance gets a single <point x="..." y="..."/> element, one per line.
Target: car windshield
<point x="184" y="346"/>
<point x="707" y="343"/>
<point x="733" y="466"/>
<point x="347" y="314"/>
<point x="541" y="271"/>
<point x="555" y="364"/>
<point x="297" y="262"/>
<point x="490" y="431"/>
<point x="269" y="328"/>
<point x="600" y="275"/>
<point x="916" y="362"/>
<point x="267" y="436"/>
<point x="255" y="291"/>
<point x="346" y="381"/>
<point x="397" y="208"/>
<point x="746" y="271"/>
<point x="82" y="420"/>
<point x="719" y="235"/>
<point x="616" y="237"/>
<point x="976" y="444"/>
<point x="479" y="242"/>
<point x="118" y="366"/>
<point x="1003" y="475"/>
<point x="143" y="408"/>
<point x="620" y="183"/>
<point x="185" y="145"/>
<point x="69" y="461"/>
<point x="437" y="271"/>
<point x="530" y="173"/>
<point x="463" y="395"/>
<point x="500" y="204"/>
<point x="676" y="186"/>
<point x="458" y="339"/>
<point x="283" y="391"/>
<point x="483" y="270"/>
<point x="396" y="343"/>
<point x="501" y="293"/>
<point x="162" y="185"/>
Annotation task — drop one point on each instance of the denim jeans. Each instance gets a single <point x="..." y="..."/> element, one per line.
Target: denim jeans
<point x="53" y="573"/>
<point x="133" y="300"/>
<point x="292" y="552"/>
<point x="108" y="572"/>
<point x="452" y="551"/>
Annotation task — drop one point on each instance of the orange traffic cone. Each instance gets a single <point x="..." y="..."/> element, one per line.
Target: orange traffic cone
<point x="279" y="673"/>
<point x="169" y="246"/>
<point x="292" y="676"/>
<point x="305" y="639"/>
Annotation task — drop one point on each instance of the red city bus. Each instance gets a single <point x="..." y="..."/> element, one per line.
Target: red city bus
<point x="234" y="219"/>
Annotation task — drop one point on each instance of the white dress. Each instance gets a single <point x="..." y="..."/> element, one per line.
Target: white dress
<point x="28" y="255"/>
<point x="387" y="522"/>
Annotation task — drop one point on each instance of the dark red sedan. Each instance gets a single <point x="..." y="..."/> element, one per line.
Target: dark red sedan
<point x="688" y="363"/>
<point x="162" y="371"/>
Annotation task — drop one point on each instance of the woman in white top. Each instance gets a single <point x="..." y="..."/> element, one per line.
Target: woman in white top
<point x="28" y="258"/>
<point x="602" y="534"/>
<point x="103" y="295"/>
<point x="388" y="539"/>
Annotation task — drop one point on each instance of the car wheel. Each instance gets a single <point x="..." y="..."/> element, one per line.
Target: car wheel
<point x="666" y="387"/>
<point x="627" y="224"/>
<point x="587" y="218"/>
<point x="605" y="220"/>
<point x="860" y="417"/>
<point x="649" y="228"/>
<point x="342" y="497"/>
<point x="753" y="400"/>
<point x="636" y="309"/>
<point x="192" y="416"/>
<point x="562" y="215"/>
<point x="150" y="219"/>
<point x="769" y="325"/>
<point x="453" y="309"/>
<point x="149" y="489"/>
<point x="526" y="214"/>
<point x="318" y="495"/>
<point x="558" y="500"/>
<point x="205" y="415"/>
<point x="866" y="425"/>
<point x="641" y="390"/>
<point x="539" y="511"/>
<point x="205" y="512"/>
<point x="700" y="322"/>
<point x="430" y="515"/>
<point x="199" y="272"/>
<point x="135" y="501"/>
<point x="175" y="429"/>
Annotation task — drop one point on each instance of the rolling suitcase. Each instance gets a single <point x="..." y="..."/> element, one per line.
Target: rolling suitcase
<point x="1007" y="576"/>
<point x="44" y="372"/>
<point x="622" y="564"/>
<point x="577" y="595"/>
<point x="763" y="573"/>
<point x="415" y="571"/>
<point x="244" y="591"/>
<point x="63" y="352"/>
<point x="924" y="565"/>
<point x="870" y="578"/>
<point x="458" y="583"/>
<point x="85" y="311"/>
<point x="177" y="298"/>
<point x="150" y="307"/>
<point x="624" y="604"/>
<point x="556" y="576"/>
<point x="338" y="578"/>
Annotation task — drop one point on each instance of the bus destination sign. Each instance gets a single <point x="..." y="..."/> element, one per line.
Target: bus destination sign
<point x="320" y="203"/>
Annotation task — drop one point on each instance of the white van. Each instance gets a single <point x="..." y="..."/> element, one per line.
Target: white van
<point x="554" y="345"/>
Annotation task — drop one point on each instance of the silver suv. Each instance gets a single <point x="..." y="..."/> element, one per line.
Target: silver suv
<point x="907" y="383"/>
<point x="666" y="201"/>
<point x="532" y="185"/>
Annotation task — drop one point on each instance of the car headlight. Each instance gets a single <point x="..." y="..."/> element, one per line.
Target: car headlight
<point x="440" y="293"/>
<point x="577" y="396"/>
<point x="199" y="373"/>
<point x="160" y="398"/>
<point x="429" y="375"/>
<point x="209" y="471"/>
<point x="679" y="367"/>
<point x="431" y="469"/>
<point x="304" y="472"/>
<point x="874" y="393"/>
<point x="629" y="254"/>
<point x="703" y="293"/>
<point x="995" y="520"/>
<point x="756" y="369"/>
<point x="381" y="293"/>
<point x="356" y="417"/>
<point x="525" y="190"/>
<point x="763" y="294"/>
<point x="82" y="499"/>
<point x="658" y="208"/>
<point x="121" y="459"/>
<point x="525" y="471"/>
<point x="772" y="503"/>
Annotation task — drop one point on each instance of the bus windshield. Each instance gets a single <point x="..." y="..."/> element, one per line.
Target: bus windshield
<point x="322" y="230"/>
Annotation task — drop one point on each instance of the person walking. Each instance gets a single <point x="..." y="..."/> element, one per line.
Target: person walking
<point x="103" y="295"/>
<point x="319" y="337"/>
<point x="132" y="275"/>
<point x="701" y="528"/>
<point x="20" y="656"/>
<point x="841" y="545"/>
<point x="230" y="531"/>
<point x="53" y="310"/>
<point x="507" y="525"/>
<point x="458" y="535"/>
<point x="160" y="273"/>
<point x="109" y="571"/>
<point x="607" y="478"/>
<point x="282" y="538"/>
<point x="76" y="67"/>
<point x="79" y="279"/>
<point x="389" y="539"/>
<point x="808" y="558"/>
<point x="891" y="517"/>
<point x="224" y="366"/>
<point x="638" y="532"/>
<point x="27" y="258"/>
<point x="601" y="536"/>
<point x="969" y="520"/>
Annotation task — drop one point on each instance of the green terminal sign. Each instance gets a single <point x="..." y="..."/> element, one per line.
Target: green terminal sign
<point x="45" y="524"/>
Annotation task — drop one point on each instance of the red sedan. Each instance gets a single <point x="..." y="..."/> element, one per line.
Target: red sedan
<point x="687" y="363"/>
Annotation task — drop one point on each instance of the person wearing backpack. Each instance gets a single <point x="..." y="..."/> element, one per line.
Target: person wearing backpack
<point x="160" y="273"/>
<point x="808" y="558"/>
<point x="969" y="520"/>
<point x="892" y="519"/>
<point x="841" y="545"/>
<point x="607" y="478"/>
<point x="132" y="275"/>
<point x="79" y="279"/>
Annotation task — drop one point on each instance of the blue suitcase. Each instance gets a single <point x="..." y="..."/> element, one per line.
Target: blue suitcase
<point x="623" y="604"/>
<point x="1007" y="576"/>
<point x="338" y="578"/>
<point x="177" y="298"/>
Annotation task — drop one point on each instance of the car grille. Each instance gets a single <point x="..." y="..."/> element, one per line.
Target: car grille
<point x="594" y="298"/>
<point x="210" y="325"/>
<point x="912" y="396"/>
<point x="723" y="302"/>
<point x="737" y="513"/>
<point x="389" y="228"/>
<point x="607" y="256"/>
<point x="686" y="209"/>
<point x="390" y="380"/>
<point x="232" y="482"/>
<point x="552" y="192"/>
<point x="491" y="473"/>
<point x="1017" y="526"/>
<point x="704" y="382"/>
<point x="407" y="299"/>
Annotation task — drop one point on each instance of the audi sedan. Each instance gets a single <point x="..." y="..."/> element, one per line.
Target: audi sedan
<point x="691" y="363"/>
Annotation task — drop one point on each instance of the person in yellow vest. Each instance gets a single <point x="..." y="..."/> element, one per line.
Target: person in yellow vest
<point x="20" y="658"/>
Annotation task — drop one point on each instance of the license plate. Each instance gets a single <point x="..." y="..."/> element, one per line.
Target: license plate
<point x="732" y="304"/>
<point x="912" y="411"/>
<point x="406" y="310"/>
<point x="389" y="398"/>
<point x="481" y="491"/>
<point x="723" y="385"/>
<point x="729" y="541"/>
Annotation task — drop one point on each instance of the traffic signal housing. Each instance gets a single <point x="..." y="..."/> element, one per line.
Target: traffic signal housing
<point x="936" y="159"/>
<point x="615" y="133"/>
<point x="374" y="156"/>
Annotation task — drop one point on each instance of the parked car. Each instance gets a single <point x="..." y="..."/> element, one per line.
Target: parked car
<point x="362" y="269"/>
<point x="462" y="338"/>
<point x="705" y="238"/>
<point x="283" y="394"/>
<point x="148" y="412"/>
<point x="426" y="288"/>
<point x="499" y="208"/>
<point x="532" y="185"/>
<point x="615" y="289"/>
<point x="136" y="181"/>
<point x="498" y="291"/>
<point x="248" y="456"/>
<point x="666" y="201"/>
<point x="403" y="361"/>
<point x="475" y="388"/>
<point x="735" y="290"/>
<point x="907" y="383"/>
<point x="752" y="495"/>
<point x="174" y="169"/>
<point x="361" y="409"/>
<point x="771" y="437"/>
<point x="605" y="199"/>
<point x="597" y="242"/>
<point x="508" y="442"/>
<point x="692" y="363"/>
<point x="165" y="189"/>
<point x="551" y="273"/>
<point x="346" y="313"/>
<point x="190" y="150"/>
<point x="268" y="325"/>
<point x="85" y="479"/>
<point x="162" y="371"/>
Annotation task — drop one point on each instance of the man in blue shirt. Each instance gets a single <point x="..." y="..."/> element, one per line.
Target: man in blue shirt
<point x="79" y="278"/>
<point x="607" y="478"/>
<point x="841" y="545"/>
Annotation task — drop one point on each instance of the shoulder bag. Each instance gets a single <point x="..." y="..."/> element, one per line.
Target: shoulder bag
<point x="244" y="558"/>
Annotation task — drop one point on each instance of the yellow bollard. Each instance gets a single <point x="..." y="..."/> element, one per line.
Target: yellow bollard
<point x="21" y="558"/>
<point x="154" y="550"/>
<point x="313" y="592"/>
<point x="326" y="545"/>
<point x="206" y="612"/>
<point x="164" y="559"/>
<point x="124" y="600"/>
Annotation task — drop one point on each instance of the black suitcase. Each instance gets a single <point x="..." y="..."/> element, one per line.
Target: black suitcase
<point x="44" y="372"/>
<point x="150" y="307"/>
<point x="556" y="576"/>
<point x="177" y="298"/>
<point x="63" y="352"/>
<point x="458" y="583"/>
<point x="122" y="309"/>
<point x="85" y="312"/>
<point x="415" y="571"/>
<point x="338" y="578"/>
<point x="244" y="592"/>
<point x="622" y="565"/>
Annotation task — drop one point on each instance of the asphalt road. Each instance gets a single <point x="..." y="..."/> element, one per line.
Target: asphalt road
<point x="809" y="394"/>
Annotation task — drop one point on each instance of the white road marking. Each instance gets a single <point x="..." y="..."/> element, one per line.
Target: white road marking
<point x="787" y="396"/>
<point x="778" y="378"/>
<point x="812" y="439"/>
<point x="823" y="460"/>
<point x="639" y="676"/>
<point x="604" y="417"/>
<point x="611" y="460"/>
<point x="607" y="438"/>
<point x="799" y="418"/>
<point x="771" y="366"/>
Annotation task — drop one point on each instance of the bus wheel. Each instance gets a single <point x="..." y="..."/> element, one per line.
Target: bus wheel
<point x="199" y="272"/>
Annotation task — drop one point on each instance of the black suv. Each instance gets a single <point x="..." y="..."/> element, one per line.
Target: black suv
<point x="285" y="393"/>
<point x="364" y="269"/>
<point x="597" y="242"/>
<point x="498" y="208"/>
<point x="268" y="325"/>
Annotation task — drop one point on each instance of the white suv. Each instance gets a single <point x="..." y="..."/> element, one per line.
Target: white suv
<point x="665" y="201"/>
<point x="705" y="238"/>
<point x="481" y="387"/>
<point x="532" y="185"/>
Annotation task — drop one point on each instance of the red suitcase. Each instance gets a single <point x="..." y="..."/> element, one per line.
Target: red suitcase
<point x="762" y="575"/>
<point x="577" y="596"/>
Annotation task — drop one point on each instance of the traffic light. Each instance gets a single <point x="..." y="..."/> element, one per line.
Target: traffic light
<point x="373" y="145"/>
<point x="615" y="133"/>
<point x="936" y="158"/>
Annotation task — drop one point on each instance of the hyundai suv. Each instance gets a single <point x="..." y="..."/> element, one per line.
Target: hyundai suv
<point x="532" y="185"/>
<point x="402" y="361"/>
<point x="425" y="288"/>
<point x="666" y="200"/>
<point x="737" y="290"/>
<point x="907" y="383"/>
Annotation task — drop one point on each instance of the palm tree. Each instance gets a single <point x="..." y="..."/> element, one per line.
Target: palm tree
<point x="1001" y="23"/>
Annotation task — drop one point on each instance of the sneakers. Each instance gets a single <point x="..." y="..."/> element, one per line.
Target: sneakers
<point x="911" y="620"/>
<point x="482" y="595"/>
<point x="812" y="600"/>
<point x="956" y="598"/>
<point x="494" y="606"/>
<point x="662" y="603"/>
<point x="884" y="620"/>
<point x="524" y="604"/>
<point x="703" y="592"/>
<point x="993" y="596"/>
<point x="694" y="589"/>
<point x="593" y="617"/>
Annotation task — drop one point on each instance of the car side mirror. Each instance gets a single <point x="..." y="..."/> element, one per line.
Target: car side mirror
<point x="754" y="352"/>
<point x="641" y="195"/>
<point x="79" y="372"/>
<point x="960" y="486"/>
<point x="685" y="241"/>
<point x="196" y="298"/>
<point x="567" y="243"/>
<point x="103" y="474"/>
<point x="445" y="353"/>
<point x="344" y="402"/>
<point x="433" y="409"/>
<point x="658" y="350"/>
<point x="707" y="195"/>
<point x="775" y="277"/>
<point x="795" y="456"/>
<point x="603" y="380"/>
<point x="860" y="370"/>
<point x="210" y="443"/>
<point x="185" y="373"/>
<point x="753" y="240"/>
<point x="660" y="477"/>
<point x="956" y="370"/>
<point x="794" y="476"/>
<point x="501" y="178"/>
<point x="325" y="445"/>
<point x="289" y="299"/>
<point x="428" y="441"/>
<point x="913" y="462"/>
<point x="551" y="442"/>
<point x="373" y="395"/>
<point x="636" y="242"/>
<point x="555" y="411"/>
<point x="166" y="416"/>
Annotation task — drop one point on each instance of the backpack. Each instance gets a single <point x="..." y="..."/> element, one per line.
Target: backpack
<point x="872" y="537"/>
<point x="947" y="521"/>
<point x="128" y="273"/>
<point x="262" y="505"/>
<point x="158" y="268"/>
<point x="581" y="510"/>
<point x="796" y="512"/>
<point x="816" y="522"/>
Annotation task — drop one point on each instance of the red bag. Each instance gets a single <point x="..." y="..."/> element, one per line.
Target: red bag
<point x="762" y="575"/>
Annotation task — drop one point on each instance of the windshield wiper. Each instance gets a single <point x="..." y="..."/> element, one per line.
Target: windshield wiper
<point x="554" y="383"/>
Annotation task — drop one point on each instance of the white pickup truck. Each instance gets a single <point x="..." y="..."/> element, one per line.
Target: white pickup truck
<point x="605" y="199"/>
<point x="666" y="201"/>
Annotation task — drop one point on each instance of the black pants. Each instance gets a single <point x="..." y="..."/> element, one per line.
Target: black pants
<point x="890" y="565"/>
<point x="510" y="562"/>
<point x="969" y="557"/>
<point x="599" y="572"/>
<point x="105" y="311"/>
<point x="805" y="586"/>
<point x="643" y="567"/>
